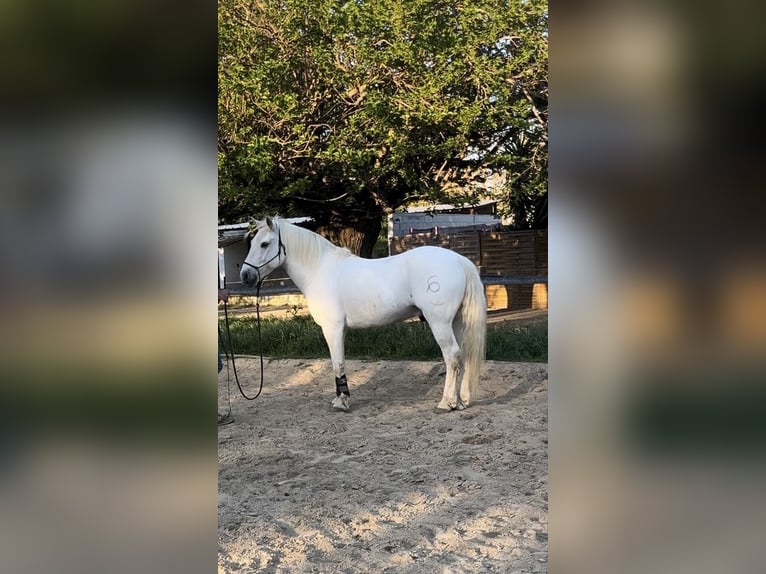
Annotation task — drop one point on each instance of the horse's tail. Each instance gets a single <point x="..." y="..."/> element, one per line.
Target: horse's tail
<point x="472" y="330"/>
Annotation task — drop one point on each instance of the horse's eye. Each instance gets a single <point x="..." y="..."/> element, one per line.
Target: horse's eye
<point x="264" y="245"/>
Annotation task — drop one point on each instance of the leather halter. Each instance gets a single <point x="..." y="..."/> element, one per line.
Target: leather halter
<point x="281" y="250"/>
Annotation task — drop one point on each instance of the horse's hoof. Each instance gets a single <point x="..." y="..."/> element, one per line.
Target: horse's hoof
<point x="444" y="407"/>
<point x="341" y="403"/>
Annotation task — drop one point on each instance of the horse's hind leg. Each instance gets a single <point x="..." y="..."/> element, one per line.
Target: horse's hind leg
<point x="334" y="334"/>
<point x="458" y="327"/>
<point x="445" y="337"/>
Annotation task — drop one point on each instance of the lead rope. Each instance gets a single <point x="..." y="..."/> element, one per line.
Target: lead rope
<point x="226" y="418"/>
<point x="229" y="353"/>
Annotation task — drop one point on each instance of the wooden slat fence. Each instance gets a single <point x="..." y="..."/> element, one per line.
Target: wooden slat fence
<point x="497" y="253"/>
<point x="494" y="252"/>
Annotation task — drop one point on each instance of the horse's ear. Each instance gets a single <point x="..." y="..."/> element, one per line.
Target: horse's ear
<point x="269" y="223"/>
<point x="252" y="228"/>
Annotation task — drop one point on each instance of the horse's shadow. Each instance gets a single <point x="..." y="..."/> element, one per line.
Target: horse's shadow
<point x="526" y="385"/>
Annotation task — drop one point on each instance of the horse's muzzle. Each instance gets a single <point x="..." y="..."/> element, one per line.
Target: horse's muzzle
<point x="249" y="276"/>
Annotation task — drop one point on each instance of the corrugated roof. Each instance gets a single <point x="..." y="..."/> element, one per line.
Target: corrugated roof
<point x="230" y="233"/>
<point x="444" y="207"/>
<point x="244" y="224"/>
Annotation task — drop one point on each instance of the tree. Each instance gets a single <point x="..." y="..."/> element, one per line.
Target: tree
<point x="349" y="110"/>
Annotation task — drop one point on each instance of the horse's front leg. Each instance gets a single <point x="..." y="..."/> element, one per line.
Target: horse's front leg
<point x="334" y="335"/>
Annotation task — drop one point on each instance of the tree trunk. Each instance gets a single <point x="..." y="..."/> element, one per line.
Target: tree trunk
<point x="359" y="239"/>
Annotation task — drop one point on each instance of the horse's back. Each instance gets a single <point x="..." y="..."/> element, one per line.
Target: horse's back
<point x="378" y="291"/>
<point x="432" y="253"/>
<point x="430" y="259"/>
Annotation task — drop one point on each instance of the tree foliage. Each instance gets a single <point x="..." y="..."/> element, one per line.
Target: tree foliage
<point x="349" y="110"/>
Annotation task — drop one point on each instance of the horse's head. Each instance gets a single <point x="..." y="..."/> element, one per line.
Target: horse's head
<point x="265" y="251"/>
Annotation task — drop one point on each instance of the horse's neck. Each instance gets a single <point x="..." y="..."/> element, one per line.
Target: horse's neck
<point x="298" y="272"/>
<point x="302" y="264"/>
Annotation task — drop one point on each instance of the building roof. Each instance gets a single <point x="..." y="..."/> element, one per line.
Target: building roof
<point x="231" y="233"/>
<point x="444" y="207"/>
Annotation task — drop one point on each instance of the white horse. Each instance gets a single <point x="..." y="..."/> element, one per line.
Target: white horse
<point x="343" y="290"/>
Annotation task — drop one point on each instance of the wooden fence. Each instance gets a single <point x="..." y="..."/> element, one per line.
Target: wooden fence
<point x="507" y="254"/>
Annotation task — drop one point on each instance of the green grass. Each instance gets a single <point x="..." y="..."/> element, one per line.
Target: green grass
<point x="300" y="337"/>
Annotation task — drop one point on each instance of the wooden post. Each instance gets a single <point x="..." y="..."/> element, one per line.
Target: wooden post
<point x="481" y="254"/>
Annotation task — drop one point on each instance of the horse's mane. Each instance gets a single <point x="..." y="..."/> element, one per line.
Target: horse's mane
<point x="305" y="245"/>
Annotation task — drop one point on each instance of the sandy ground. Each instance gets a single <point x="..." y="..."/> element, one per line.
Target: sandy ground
<point x="391" y="486"/>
